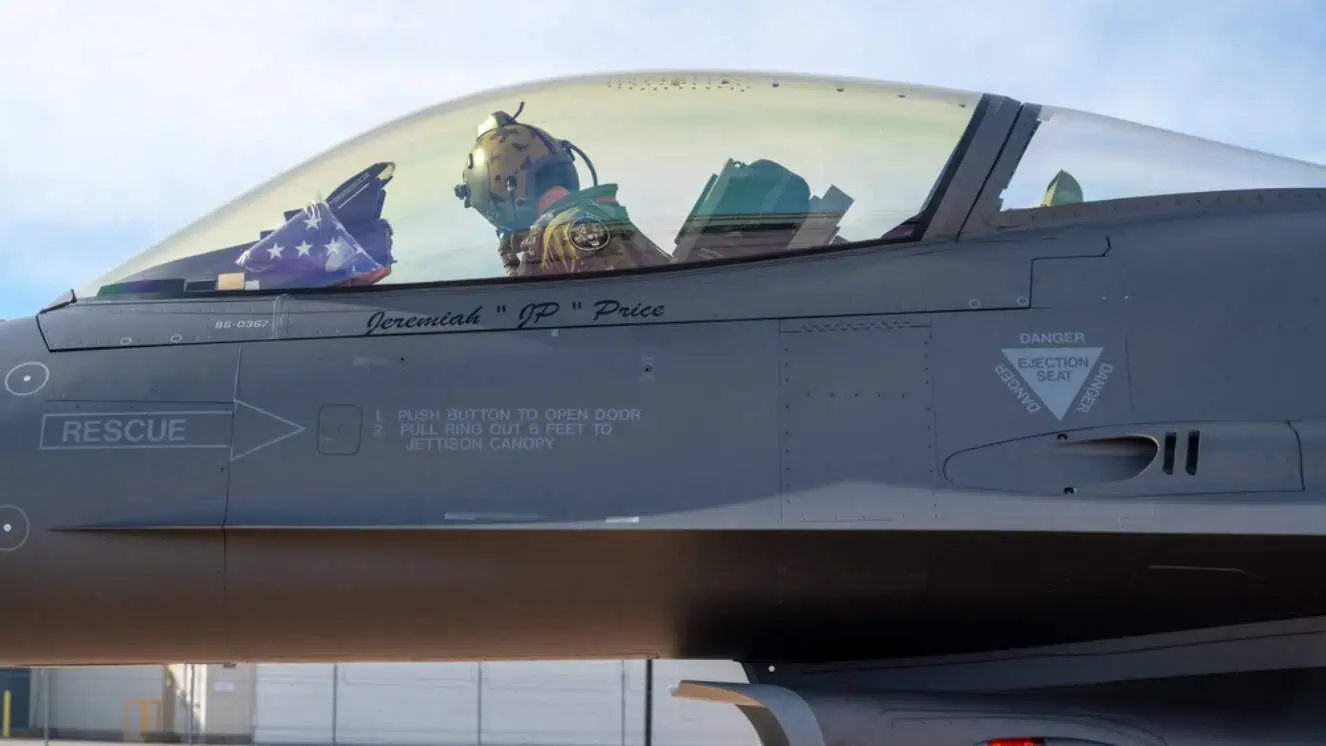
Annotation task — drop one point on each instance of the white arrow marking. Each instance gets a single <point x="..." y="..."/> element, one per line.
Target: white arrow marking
<point x="295" y="429"/>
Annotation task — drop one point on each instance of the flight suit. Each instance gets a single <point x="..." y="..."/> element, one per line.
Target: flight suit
<point x="585" y="231"/>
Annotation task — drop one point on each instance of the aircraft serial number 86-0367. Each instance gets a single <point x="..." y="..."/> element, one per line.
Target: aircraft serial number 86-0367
<point x="872" y="387"/>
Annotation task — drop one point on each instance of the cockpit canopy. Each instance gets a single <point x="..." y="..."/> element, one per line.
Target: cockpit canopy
<point x="632" y="171"/>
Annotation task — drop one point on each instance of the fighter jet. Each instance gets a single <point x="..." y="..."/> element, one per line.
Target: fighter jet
<point x="954" y="418"/>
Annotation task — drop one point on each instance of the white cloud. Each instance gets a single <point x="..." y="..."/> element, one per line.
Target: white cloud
<point x="140" y="115"/>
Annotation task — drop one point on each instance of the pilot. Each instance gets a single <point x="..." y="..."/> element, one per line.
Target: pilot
<point x="524" y="183"/>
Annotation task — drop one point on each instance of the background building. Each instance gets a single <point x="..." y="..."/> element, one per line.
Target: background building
<point x="15" y="699"/>
<point x="509" y="703"/>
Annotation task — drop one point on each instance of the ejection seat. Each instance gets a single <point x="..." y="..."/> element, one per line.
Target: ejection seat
<point x="757" y="209"/>
<point x="1062" y="190"/>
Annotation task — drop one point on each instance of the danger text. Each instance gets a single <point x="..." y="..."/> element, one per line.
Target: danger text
<point x="1052" y="338"/>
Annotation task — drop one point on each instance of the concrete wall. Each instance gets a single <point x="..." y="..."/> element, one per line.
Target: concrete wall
<point x="230" y="705"/>
<point x="547" y="703"/>
<point x="172" y="703"/>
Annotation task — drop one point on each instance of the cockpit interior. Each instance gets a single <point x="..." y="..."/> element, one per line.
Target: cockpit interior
<point x="694" y="167"/>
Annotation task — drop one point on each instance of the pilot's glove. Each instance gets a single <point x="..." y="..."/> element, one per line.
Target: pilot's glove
<point x="509" y="253"/>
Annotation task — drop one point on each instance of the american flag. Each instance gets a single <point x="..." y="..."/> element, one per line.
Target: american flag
<point x="313" y="249"/>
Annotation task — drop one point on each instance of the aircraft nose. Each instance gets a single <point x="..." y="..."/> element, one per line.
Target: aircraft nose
<point x="14" y="527"/>
<point x="27" y="378"/>
<point x="23" y="383"/>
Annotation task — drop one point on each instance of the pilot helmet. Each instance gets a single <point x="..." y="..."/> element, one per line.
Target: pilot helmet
<point x="509" y="166"/>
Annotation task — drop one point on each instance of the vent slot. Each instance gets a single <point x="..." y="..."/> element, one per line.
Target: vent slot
<point x="1194" y="441"/>
<point x="1171" y="440"/>
<point x="1220" y="460"/>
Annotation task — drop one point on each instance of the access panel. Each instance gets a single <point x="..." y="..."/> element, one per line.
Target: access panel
<point x="856" y="417"/>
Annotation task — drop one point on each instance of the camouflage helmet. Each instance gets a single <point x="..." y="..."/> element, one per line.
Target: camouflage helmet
<point x="509" y="166"/>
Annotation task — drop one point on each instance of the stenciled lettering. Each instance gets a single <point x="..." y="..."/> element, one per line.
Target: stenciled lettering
<point x="617" y="415"/>
<point x="480" y="414"/>
<point x="1052" y="338"/>
<point x="1014" y="384"/>
<point x="533" y="313"/>
<point x="521" y="444"/>
<point x="1094" y="388"/>
<point x="1054" y="367"/>
<point x="444" y="444"/>
<point x="522" y="429"/>
<point x="434" y="430"/>
<point x="617" y="309"/>
<point x="124" y="431"/>
<point x="380" y="321"/>
<point x="242" y="323"/>
<point x="419" y="415"/>
<point x="553" y="414"/>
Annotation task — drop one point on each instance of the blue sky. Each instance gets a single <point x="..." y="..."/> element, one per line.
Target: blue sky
<point x="128" y="120"/>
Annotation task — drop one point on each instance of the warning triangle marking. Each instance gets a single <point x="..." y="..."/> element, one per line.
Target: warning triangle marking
<point x="1054" y="374"/>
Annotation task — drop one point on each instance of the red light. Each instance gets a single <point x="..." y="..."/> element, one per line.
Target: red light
<point x="1017" y="742"/>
